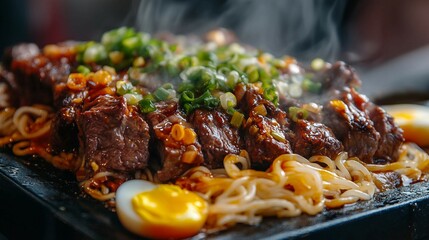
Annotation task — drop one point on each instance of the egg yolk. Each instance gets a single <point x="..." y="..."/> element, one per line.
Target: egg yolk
<point x="415" y="126"/>
<point x="170" y="212"/>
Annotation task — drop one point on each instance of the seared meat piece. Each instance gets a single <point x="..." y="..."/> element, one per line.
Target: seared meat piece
<point x="337" y="77"/>
<point x="311" y="138"/>
<point x="217" y="137"/>
<point x="177" y="154"/>
<point x="64" y="131"/>
<point x="10" y="95"/>
<point x="112" y="136"/>
<point x="387" y="180"/>
<point x="352" y="127"/>
<point x="266" y="130"/>
<point x="35" y="74"/>
<point x="20" y="52"/>
<point x="64" y="127"/>
<point x="391" y="136"/>
<point x="262" y="143"/>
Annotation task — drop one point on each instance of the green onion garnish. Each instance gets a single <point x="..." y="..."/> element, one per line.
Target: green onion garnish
<point x="296" y="113"/>
<point x="146" y="105"/>
<point x="311" y="86"/>
<point x="161" y="94"/>
<point x="82" y="69"/>
<point x="123" y="87"/>
<point x="133" y="98"/>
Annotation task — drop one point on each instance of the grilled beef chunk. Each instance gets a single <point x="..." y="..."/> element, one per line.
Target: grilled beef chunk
<point x="112" y="136"/>
<point x="391" y="136"/>
<point x="337" y="77"/>
<point x="64" y="131"/>
<point x="311" y="138"/>
<point x="217" y="137"/>
<point x="266" y="134"/>
<point x="260" y="142"/>
<point x="387" y="180"/>
<point x="20" y="52"/>
<point x="352" y="127"/>
<point x="176" y="156"/>
<point x="36" y="74"/>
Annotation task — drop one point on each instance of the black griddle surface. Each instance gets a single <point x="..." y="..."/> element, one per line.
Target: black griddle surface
<point x="401" y="213"/>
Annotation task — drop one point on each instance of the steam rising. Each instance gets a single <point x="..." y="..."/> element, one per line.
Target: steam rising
<point x="305" y="29"/>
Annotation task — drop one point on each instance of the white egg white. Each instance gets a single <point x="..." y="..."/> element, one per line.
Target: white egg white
<point x="125" y="193"/>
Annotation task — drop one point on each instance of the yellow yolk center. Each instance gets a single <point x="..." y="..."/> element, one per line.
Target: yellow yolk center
<point x="170" y="211"/>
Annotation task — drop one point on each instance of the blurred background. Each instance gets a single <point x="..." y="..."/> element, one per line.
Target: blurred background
<point x="387" y="41"/>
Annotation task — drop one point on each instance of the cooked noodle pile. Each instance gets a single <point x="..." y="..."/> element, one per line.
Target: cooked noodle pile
<point x="27" y="128"/>
<point x="293" y="185"/>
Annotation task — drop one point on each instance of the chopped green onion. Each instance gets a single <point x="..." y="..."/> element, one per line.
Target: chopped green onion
<point x="230" y="110"/>
<point x="264" y="77"/>
<point x="317" y="64"/>
<point x="131" y="44"/>
<point x="237" y="119"/>
<point x="149" y="97"/>
<point x="207" y="100"/>
<point x="187" y="96"/>
<point x="161" y="94"/>
<point x="172" y="93"/>
<point x="311" y="86"/>
<point x="168" y="86"/>
<point x="82" y="69"/>
<point x="228" y="100"/>
<point x="112" y="39"/>
<point x="296" y="113"/>
<point x="123" y="87"/>
<point x="133" y="99"/>
<point x="253" y="74"/>
<point x="271" y="95"/>
<point x="188" y="61"/>
<point x="94" y="53"/>
<point x="146" y="105"/>
<point x="207" y="56"/>
<point x="232" y="79"/>
<point x="190" y="103"/>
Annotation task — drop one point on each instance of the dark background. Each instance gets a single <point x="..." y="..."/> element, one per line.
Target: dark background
<point x="385" y="40"/>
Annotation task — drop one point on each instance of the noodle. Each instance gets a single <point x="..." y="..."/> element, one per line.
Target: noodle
<point x="95" y="187"/>
<point x="32" y="122"/>
<point x="7" y="126"/>
<point x="293" y="185"/>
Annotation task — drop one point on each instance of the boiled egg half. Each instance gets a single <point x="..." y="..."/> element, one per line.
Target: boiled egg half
<point x="160" y="211"/>
<point x="413" y="119"/>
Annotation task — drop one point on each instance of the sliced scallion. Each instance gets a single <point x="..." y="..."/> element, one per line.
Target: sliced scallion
<point x="133" y="98"/>
<point x="146" y="105"/>
<point x="161" y="94"/>
<point x="123" y="87"/>
<point x="82" y="69"/>
<point x="296" y="113"/>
